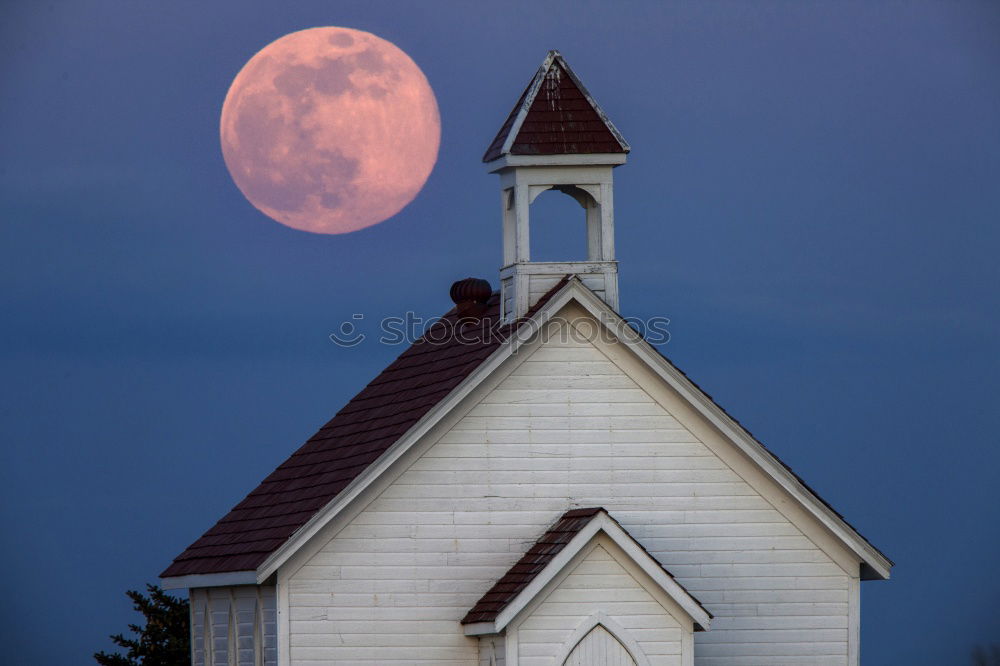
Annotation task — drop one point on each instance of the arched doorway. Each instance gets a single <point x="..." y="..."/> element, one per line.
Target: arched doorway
<point x="599" y="648"/>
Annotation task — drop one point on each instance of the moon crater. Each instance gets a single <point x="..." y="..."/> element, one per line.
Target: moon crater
<point x="330" y="130"/>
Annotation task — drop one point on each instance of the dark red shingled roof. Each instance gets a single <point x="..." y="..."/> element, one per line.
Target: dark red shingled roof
<point x="561" y="119"/>
<point x="359" y="433"/>
<point x="533" y="562"/>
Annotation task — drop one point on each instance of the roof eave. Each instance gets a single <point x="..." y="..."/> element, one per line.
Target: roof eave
<point x="224" y="579"/>
<point x="572" y="159"/>
<point x="480" y="629"/>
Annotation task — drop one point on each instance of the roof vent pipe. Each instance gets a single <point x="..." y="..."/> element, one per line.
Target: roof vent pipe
<point x="471" y="296"/>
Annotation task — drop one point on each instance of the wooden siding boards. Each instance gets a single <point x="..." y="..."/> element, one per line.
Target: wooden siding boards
<point x="394" y="582"/>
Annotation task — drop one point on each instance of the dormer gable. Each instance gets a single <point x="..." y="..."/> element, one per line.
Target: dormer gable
<point x="560" y="548"/>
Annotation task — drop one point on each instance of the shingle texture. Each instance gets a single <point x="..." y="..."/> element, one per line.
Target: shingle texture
<point x="561" y="120"/>
<point x="343" y="448"/>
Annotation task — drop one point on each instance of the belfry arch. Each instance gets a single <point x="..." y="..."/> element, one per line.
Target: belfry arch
<point x="566" y="224"/>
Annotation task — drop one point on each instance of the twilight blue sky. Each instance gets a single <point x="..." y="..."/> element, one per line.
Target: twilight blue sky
<point x="813" y="199"/>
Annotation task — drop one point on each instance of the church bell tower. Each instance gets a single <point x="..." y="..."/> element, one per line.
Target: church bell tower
<point x="556" y="138"/>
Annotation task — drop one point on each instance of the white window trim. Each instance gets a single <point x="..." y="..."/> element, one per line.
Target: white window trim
<point x="600" y="618"/>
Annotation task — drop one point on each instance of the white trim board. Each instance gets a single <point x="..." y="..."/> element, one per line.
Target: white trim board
<point x="602" y="619"/>
<point x="226" y="579"/>
<point x="580" y="159"/>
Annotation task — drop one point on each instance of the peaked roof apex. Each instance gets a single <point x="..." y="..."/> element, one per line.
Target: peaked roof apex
<point x="556" y="115"/>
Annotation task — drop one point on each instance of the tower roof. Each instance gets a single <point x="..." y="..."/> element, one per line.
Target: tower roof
<point x="555" y="115"/>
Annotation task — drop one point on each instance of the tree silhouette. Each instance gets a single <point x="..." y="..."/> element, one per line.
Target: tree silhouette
<point x="986" y="655"/>
<point x="163" y="641"/>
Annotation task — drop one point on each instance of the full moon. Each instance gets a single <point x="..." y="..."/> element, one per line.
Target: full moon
<point x="330" y="130"/>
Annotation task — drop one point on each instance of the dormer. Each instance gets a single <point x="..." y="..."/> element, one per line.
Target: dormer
<point x="556" y="138"/>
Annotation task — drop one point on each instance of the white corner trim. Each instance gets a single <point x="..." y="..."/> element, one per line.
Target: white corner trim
<point x="600" y="618"/>
<point x="283" y="622"/>
<point x="854" y="622"/>
<point x="603" y="523"/>
<point x="511" y="648"/>
<point x="210" y="580"/>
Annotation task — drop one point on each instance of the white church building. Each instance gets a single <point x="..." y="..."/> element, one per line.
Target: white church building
<point x="532" y="483"/>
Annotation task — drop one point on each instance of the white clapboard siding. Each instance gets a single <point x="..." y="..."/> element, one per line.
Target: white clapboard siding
<point x="599" y="583"/>
<point x="569" y="427"/>
<point x="237" y="624"/>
